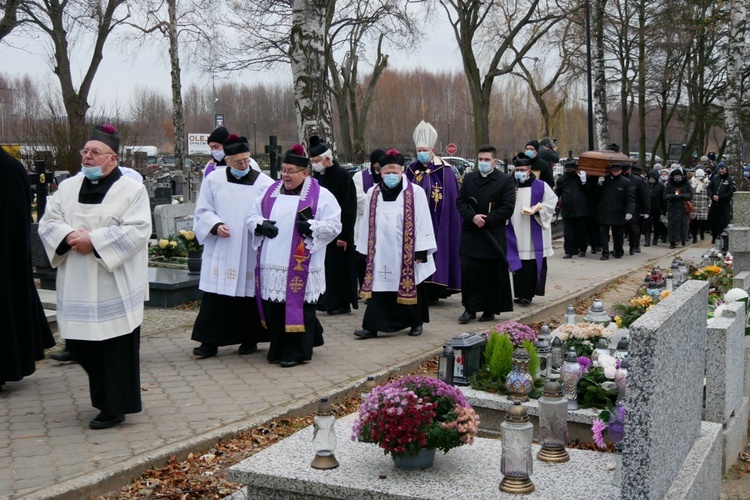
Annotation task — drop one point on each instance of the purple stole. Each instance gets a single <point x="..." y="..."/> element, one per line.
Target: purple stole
<point x="367" y="180"/>
<point x="299" y="258"/>
<point x="407" y="288"/>
<point x="514" y="260"/>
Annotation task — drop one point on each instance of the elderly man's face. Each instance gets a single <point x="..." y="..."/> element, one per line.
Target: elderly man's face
<point x="96" y="153"/>
<point x="292" y="176"/>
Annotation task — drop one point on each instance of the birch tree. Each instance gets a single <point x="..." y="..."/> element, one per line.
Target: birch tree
<point x="733" y="99"/>
<point x="601" y="114"/>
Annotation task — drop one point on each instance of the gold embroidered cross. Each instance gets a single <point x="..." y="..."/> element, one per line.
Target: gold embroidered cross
<point x="231" y="274"/>
<point x="436" y="195"/>
<point x="296" y="284"/>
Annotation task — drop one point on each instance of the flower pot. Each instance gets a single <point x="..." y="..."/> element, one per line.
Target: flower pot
<point x="422" y="460"/>
<point x="194" y="262"/>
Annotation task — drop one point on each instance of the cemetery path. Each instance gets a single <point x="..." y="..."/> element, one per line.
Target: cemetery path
<point x="189" y="404"/>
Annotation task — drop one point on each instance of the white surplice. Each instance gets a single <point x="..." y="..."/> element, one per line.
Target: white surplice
<point x="228" y="266"/>
<point x="102" y="297"/>
<point x="276" y="252"/>
<point x="522" y="223"/>
<point x="389" y="236"/>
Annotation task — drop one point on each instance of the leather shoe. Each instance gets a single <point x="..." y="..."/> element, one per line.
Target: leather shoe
<point x="466" y="317"/>
<point x="365" y="334"/>
<point x="205" y="351"/>
<point x="631" y="252"/>
<point x="487" y="317"/>
<point x="637" y="249"/>
<point x="567" y="256"/>
<point x="105" y="422"/>
<point x="287" y="364"/>
<point x="594" y="250"/>
<point x="672" y="245"/>
<point x="604" y="257"/>
<point x="618" y="256"/>
<point x="582" y="253"/>
<point x="247" y="348"/>
<point x="62" y="356"/>
<point x="340" y="310"/>
<point x="415" y="331"/>
<point x="525" y="302"/>
<point x="647" y="243"/>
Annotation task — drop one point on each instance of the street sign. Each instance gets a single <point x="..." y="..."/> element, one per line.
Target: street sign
<point x="451" y="149"/>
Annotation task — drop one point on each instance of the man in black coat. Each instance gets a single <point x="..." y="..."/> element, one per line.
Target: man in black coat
<point x="541" y="167"/>
<point x="656" y="207"/>
<point x="574" y="204"/>
<point x="548" y="150"/>
<point x="341" y="274"/>
<point x="720" y="191"/>
<point x="642" y="205"/>
<point x="616" y="207"/>
<point x="485" y="201"/>
<point x="24" y="330"/>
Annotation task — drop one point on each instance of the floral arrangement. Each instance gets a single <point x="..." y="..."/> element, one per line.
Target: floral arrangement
<point x="516" y="332"/>
<point x="734" y="295"/>
<point x="583" y="337"/>
<point x="596" y="389"/>
<point x="611" y="420"/>
<point x="718" y="275"/>
<point x="413" y="412"/>
<point x="637" y="307"/>
<point x="189" y="241"/>
<point x="168" y="248"/>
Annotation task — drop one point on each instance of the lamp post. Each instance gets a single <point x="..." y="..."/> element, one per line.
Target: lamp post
<point x="255" y="142"/>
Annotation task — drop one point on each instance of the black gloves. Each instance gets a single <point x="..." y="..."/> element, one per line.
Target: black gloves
<point x="267" y="229"/>
<point x="303" y="224"/>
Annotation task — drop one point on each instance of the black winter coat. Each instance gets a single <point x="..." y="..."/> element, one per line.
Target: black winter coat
<point x="642" y="194"/>
<point x="616" y="198"/>
<point x="544" y="168"/>
<point x="573" y="199"/>
<point x="656" y="191"/>
<point x="340" y="184"/>
<point x="724" y="188"/>
<point x="500" y="190"/>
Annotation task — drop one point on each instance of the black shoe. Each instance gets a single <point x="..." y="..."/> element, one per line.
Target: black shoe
<point x="617" y="255"/>
<point x="365" y="334"/>
<point x="415" y="331"/>
<point x="594" y="250"/>
<point x="205" y="351"/>
<point x="695" y="239"/>
<point x="637" y="249"/>
<point x="525" y="302"/>
<point x="287" y="364"/>
<point x="340" y="310"/>
<point x="604" y="257"/>
<point x="247" y="348"/>
<point x="487" y="317"/>
<point x="703" y="237"/>
<point x="631" y="252"/>
<point x="105" y="421"/>
<point x="62" y="356"/>
<point x="683" y="242"/>
<point x="672" y="245"/>
<point x="655" y="242"/>
<point x="648" y="243"/>
<point x="567" y="256"/>
<point x="517" y="301"/>
<point x="582" y="253"/>
<point x="466" y="317"/>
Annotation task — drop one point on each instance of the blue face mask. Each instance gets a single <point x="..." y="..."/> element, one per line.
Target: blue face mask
<point x="92" y="173"/>
<point x="521" y="176"/>
<point x="484" y="167"/>
<point x="530" y="153"/>
<point x="424" y="157"/>
<point x="239" y="173"/>
<point x="391" y="180"/>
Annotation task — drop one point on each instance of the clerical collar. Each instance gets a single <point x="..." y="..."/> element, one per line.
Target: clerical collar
<point x="295" y="192"/>
<point x="93" y="192"/>
<point x="248" y="180"/>
<point x="390" y="194"/>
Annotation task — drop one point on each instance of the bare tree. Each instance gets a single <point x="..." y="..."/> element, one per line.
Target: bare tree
<point x="66" y="22"/>
<point x="10" y="17"/>
<point x="732" y="107"/>
<point x="494" y="27"/>
<point x="601" y="116"/>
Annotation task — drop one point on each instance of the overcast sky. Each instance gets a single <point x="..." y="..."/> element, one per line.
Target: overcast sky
<point x="122" y="70"/>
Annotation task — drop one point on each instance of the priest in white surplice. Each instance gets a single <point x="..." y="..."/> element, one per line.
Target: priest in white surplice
<point x="397" y="236"/>
<point x="229" y="314"/>
<point x="291" y="224"/>
<point x="95" y="232"/>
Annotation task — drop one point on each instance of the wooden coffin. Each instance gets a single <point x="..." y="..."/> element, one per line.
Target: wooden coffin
<point x="597" y="162"/>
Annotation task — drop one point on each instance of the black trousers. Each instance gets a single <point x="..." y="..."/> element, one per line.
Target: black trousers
<point x="575" y="234"/>
<point x="485" y="285"/>
<point x="291" y="346"/>
<point x="385" y="314"/>
<point x="525" y="282"/>
<point x="617" y="239"/>
<point x="633" y="230"/>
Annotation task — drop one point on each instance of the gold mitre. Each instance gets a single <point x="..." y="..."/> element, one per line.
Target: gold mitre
<point x="425" y="135"/>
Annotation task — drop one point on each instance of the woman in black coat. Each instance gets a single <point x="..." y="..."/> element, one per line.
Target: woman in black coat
<point x="677" y="191"/>
<point x="720" y="190"/>
<point x="657" y="204"/>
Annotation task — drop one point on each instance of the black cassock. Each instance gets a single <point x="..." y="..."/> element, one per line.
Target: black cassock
<point x="341" y="271"/>
<point x="24" y="331"/>
<point x="485" y="283"/>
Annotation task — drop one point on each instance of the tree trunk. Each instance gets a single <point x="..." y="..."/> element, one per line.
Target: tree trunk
<point x="600" y="77"/>
<point x="10" y="17"/>
<point x="732" y="108"/>
<point x="177" y="116"/>
<point x="642" y="86"/>
<point x="307" y="50"/>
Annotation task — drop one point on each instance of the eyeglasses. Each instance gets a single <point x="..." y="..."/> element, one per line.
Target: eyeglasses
<point x="291" y="172"/>
<point x="241" y="161"/>
<point x="93" y="152"/>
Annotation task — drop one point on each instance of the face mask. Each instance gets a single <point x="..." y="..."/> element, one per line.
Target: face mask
<point x="318" y="167"/>
<point x="391" y="180"/>
<point x="665" y="178"/>
<point x="424" y="157"/>
<point x="677" y="178"/>
<point x="218" y="154"/>
<point x="239" y="173"/>
<point x="484" y="167"/>
<point x="530" y="153"/>
<point x="92" y="173"/>
<point x="521" y="176"/>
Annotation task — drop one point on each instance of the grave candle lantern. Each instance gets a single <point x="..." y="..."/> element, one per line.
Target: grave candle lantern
<point x="519" y="381"/>
<point x="570" y="315"/>
<point x="621" y="379"/>
<point x="445" y="365"/>
<point x="597" y="314"/>
<point x="602" y="347"/>
<point x="553" y="424"/>
<point x="556" y="356"/>
<point x="324" y="437"/>
<point x="571" y="375"/>
<point x="622" y="349"/>
<point x="516" y="463"/>
<point x="543" y="349"/>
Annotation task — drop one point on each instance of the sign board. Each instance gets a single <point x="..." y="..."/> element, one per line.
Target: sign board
<point x="218" y="120"/>
<point x="675" y="151"/>
<point x="198" y="145"/>
<point x="451" y="149"/>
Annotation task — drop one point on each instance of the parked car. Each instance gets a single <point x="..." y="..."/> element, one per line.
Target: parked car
<point x="462" y="164"/>
<point x="634" y="155"/>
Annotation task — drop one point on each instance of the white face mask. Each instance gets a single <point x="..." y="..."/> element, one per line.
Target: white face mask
<point x="318" y="167"/>
<point x="218" y="154"/>
<point x="521" y="176"/>
<point x="484" y="167"/>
